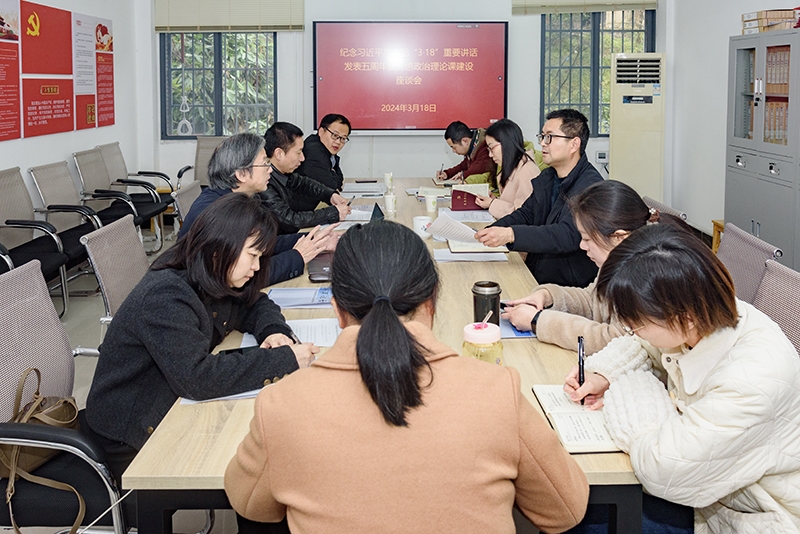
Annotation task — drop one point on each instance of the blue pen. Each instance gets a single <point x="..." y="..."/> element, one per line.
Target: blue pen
<point x="581" y="357"/>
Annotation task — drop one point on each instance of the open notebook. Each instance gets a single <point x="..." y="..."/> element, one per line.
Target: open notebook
<point x="579" y="429"/>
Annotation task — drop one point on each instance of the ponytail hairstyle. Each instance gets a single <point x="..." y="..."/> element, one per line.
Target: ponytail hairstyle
<point x="663" y="273"/>
<point x="512" y="144"/>
<point x="607" y="206"/>
<point x="381" y="272"/>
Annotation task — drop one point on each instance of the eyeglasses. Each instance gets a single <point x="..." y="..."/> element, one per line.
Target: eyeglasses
<point x="544" y="139"/>
<point x="261" y="165"/>
<point x="630" y="331"/>
<point x="337" y="137"/>
<point x="491" y="147"/>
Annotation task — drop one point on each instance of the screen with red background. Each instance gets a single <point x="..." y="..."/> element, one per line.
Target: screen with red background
<point x="410" y="75"/>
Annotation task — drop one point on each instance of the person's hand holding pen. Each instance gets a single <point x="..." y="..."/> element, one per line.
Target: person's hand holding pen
<point x="592" y="390"/>
<point x="344" y="209"/>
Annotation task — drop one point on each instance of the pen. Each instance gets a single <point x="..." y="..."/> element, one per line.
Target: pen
<point x="351" y="200"/>
<point x="581" y="356"/>
<point x="295" y="338"/>
<point x="442" y="169"/>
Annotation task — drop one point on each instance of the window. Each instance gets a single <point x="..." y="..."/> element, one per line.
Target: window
<point x="216" y="83"/>
<point x="576" y="59"/>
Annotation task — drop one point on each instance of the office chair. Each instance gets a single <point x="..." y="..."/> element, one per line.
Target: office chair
<point x="778" y="296"/>
<point x="206" y="145"/>
<point x="745" y="256"/>
<point x="663" y="208"/>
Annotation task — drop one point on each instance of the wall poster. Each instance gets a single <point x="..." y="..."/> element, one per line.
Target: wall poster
<point x="56" y="70"/>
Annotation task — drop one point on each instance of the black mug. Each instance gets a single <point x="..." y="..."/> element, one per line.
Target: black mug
<point x="486" y="298"/>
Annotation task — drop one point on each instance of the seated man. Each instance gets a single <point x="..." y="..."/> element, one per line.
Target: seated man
<point x="543" y="226"/>
<point x="321" y="155"/>
<point x="284" y="146"/>
<point x="472" y="146"/>
<point x="239" y="165"/>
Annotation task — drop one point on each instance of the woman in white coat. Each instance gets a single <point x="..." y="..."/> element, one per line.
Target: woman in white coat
<point x="723" y="436"/>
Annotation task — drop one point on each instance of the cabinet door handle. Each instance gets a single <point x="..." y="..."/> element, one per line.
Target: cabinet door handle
<point x="740" y="161"/>
<point x="752" y="226"/>
<point x="774" y="169"/>
<point x="758" y="229"/>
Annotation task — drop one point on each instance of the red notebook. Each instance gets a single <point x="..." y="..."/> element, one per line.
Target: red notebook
<point x="463" y="200"/>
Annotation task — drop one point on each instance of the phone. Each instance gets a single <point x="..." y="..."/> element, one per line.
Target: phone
<point x="503" y="306"/>
<point x="366" y="181"/>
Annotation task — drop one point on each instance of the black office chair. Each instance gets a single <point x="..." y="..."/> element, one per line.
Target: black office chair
<point x="40" y="341"/>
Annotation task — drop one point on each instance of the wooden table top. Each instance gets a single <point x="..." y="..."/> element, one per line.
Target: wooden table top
<point x="192" y="446"/>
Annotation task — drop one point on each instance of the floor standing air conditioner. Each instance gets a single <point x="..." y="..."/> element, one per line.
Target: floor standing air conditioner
<point x="637" y="122"/>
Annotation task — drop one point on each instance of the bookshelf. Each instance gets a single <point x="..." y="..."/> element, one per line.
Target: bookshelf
<point x="763" y="138"/>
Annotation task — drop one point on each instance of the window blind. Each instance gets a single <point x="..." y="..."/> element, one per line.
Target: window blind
<point x="228" y="15"/>
<point x="537" y="7"/>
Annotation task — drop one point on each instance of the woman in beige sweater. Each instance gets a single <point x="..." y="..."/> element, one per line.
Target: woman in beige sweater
<point x="393" y="431"/>
<point x="505" y="143"/>
<point x="605" y="214"/>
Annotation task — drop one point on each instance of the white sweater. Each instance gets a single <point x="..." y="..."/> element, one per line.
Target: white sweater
<point x="728" y="444"/>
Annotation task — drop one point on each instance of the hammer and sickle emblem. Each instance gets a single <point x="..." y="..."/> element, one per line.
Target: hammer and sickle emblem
<point x="33" y="20"/>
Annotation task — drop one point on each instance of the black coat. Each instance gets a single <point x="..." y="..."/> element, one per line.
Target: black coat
<point x="280" y="197"/>
<point x="549" y="235"/>
<point x="285" y="262"/>
<point x="320" y="165"/>
<point x="158" y="348"/>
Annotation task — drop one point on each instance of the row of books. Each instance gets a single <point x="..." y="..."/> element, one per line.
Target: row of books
<point x="777" y="76"/>
<point x="770" y="20"/>
<point x="776" y="120"/>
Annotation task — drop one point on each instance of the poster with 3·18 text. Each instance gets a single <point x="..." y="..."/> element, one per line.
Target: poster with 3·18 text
<point x="56" y="70"/>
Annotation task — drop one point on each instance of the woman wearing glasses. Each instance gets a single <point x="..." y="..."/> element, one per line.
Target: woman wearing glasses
<point x="605" y="214"/>
<point x="723" y="436"/>
<point x="321" y="151"/>
<point x="516" y="168"/>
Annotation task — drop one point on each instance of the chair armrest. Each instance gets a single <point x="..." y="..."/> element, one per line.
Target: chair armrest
<point x="108" y="194"/>
<point x="155" y="174"/>
<point x="51" y="437"/>
<point x="83" y="351"/>
<point x="141" y="183"/>
<point x="3" y="250"/>
<point x="183" y="170"/>
<point x="85" y="211"/>
<point x="44" y="226"/>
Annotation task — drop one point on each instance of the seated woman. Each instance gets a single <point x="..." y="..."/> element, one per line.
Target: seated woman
<point x="392" y="427"/>
<point x="724" y="436"/>
<point x="158" y="347"/>
<point x="605" y="214"/>
<point x="505" y="143"/>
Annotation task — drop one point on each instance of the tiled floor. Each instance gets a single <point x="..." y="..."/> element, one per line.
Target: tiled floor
<point x="82" y="324"/>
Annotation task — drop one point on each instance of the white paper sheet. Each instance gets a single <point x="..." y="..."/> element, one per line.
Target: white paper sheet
<point x="252" y="394"/>
<point x="476" y="216"/>
<point x="321" y="332"/>
<point x="445" y="226"/>
<point x="352" y="188"/>
<point x="301" y="297"/>
<point x="444" y="255"/>
<point x="475" y="189"/>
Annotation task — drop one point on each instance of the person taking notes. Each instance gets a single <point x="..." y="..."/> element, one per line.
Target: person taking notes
<point x="470" y="144"/>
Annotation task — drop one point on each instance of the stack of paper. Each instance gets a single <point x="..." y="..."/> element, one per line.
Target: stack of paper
<point x="350" y="190"/>
<point x="301" y="297"/>
<point x="476" y="216"/>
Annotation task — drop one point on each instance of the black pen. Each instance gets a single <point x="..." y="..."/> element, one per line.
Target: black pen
<point x="351" y="200"/>
<point x="295" y="338"/>
<point x="581" y="356"/>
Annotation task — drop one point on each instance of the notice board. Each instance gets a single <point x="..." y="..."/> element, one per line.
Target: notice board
<point x="56" y="70"/>
<point x="410" y="75"/>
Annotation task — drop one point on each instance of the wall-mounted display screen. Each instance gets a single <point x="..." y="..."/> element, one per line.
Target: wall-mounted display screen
<point x="410" y="75"/>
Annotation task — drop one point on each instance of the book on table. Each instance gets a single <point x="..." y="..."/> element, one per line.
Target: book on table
<point x="579" y="429"/>
<point x="473" y="246"/>
<point x="446" y="181"/>
<point x="465" y="195"/>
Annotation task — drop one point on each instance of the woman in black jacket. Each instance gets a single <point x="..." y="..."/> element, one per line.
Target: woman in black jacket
<point x="158" y="347"/>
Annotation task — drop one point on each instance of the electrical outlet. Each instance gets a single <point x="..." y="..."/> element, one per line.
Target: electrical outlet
<point x="601" y="156"/>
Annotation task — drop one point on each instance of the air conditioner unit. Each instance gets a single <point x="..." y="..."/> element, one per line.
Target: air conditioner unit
<point x="637" y="122"/>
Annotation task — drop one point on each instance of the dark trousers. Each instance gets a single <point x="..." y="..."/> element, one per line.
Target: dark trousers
<point x="658" y="517"/>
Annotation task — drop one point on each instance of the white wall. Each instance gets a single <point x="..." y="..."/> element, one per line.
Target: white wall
<point x="697" y="62"/>
<point x="26" y="153"/>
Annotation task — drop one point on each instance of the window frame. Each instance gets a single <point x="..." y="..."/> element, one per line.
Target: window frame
<point x="219" y="106"/>
<point x="594" y="65"/>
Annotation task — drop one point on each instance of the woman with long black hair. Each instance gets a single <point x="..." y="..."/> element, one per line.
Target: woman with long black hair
<point x="393" y="430"/>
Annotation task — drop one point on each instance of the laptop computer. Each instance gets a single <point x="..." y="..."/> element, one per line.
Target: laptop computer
<point x="319" y="269"/>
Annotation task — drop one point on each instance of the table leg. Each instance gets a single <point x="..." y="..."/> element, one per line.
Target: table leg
<point x="155" y="507"/>
<point x="625" y="510"/>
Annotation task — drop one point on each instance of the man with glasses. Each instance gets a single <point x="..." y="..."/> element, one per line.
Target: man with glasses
<point x="470" y="144"/>
<point x="321" y="152"/>
<point x="289" y="192"/>
<point x="239" y="165"/>
<point x="543" y="226"/>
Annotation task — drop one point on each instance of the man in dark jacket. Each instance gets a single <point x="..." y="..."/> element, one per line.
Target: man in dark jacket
<point x="284" y="147"/>
<point x="543" y="226"/>
<point x="321" y="152"/>
<point x="239" y="165"/>
<point x="470" y="144"/>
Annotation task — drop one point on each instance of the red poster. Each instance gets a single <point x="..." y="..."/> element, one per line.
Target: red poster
<point x="9" y="91"/>
<point x="47" y="106"/>
<point x="46" y="39"/>
<point x="105" y="89"/>
<point x="85" y="112"/>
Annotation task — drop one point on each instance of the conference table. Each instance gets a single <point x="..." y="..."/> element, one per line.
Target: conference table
<point x="182" y="465"/>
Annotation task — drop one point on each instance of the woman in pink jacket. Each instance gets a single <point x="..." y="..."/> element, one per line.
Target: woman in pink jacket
<point x="505" y="143"/>
<point x="391" y="430"/>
